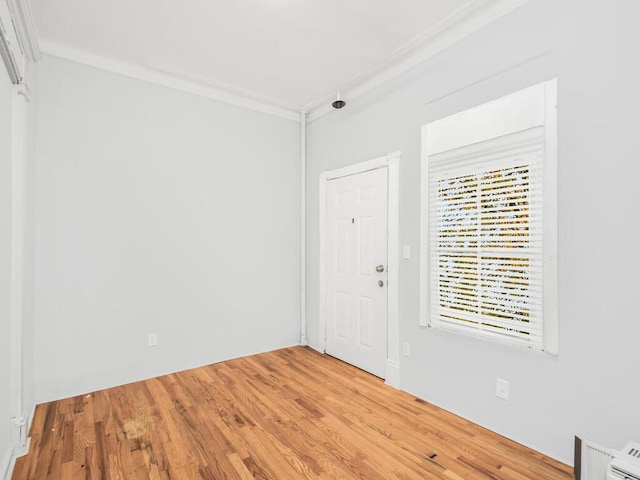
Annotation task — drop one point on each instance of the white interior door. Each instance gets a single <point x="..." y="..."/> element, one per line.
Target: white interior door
<point x="356" y="269"/>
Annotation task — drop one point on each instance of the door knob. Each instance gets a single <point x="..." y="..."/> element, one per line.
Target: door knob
<point x="380" y="268"/>
<point x="380" y="283"/>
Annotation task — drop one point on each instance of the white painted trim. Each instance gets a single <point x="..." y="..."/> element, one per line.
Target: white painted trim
<point x="550" y="219"/>
<point x="19" y="434"/>
<point x="465" y="21"/>
<point x="322" y="274"/>
<point x="25" y="28"/>
<point x="218" y="91"/>
<point x="26" y="420"/>
<point x="6" y="465"/>
<point x="392" y="163"/>
<point x="516" y="112"/>
<point x="392" y="374"/>
<point x="24" y="90"/>
<point x="21" y="96"/>
<point x="393" y="264"/>
<point x="316" y="348"/>
<point x="365" y="166"/>
<point x="9" y="49"/>
<point x="425" y="258"/>
<point x="462" y="23"/>
<point x="303" y="228"/>
<point x="521" y="111"/>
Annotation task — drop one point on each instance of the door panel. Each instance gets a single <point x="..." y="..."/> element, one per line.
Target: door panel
<point x="356" y="229"/>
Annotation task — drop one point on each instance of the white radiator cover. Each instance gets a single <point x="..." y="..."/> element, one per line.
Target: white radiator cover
<point x="626" y="465"/>
<point x="595" y="460"/>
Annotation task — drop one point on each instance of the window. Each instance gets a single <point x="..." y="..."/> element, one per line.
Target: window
<point x="489" y="203"/>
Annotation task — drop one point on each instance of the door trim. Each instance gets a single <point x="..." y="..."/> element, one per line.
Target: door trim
<point x="391" y="162"/>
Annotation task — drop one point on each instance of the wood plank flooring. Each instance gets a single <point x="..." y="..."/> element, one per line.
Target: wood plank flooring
<point x="287" y="414"/>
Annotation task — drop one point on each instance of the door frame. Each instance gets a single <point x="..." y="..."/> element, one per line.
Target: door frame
<point x="391" y="162"/>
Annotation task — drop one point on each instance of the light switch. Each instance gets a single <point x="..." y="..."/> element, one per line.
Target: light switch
<point x="406" y="252"/>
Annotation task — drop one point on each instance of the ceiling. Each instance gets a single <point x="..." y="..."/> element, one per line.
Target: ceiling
<point x="288" y="53"/>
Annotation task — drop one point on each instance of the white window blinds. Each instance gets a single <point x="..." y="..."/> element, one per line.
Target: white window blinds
<point x="486" y="237"/>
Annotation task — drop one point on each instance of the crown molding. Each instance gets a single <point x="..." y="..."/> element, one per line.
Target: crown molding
<point x="10" y="46"/>
<point x="217" y="91"/>
<point x="25" y="28"/>
<point x="6" y="53"/>
<point x="455" y="27"/>
<point x="467" y="20"/>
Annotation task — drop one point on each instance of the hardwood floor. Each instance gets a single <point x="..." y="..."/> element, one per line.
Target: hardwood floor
<point x="288" y="414"/>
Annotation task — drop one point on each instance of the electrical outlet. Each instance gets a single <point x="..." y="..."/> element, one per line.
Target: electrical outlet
<point x="152" y="340"/>
<point x="502" y="389"/>
<point x="406" y="349"/>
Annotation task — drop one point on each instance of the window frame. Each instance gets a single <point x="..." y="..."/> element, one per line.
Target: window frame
<point x="526" y="109"/>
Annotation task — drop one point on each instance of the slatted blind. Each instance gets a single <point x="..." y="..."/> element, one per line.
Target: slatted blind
<point x="485" y="224"/>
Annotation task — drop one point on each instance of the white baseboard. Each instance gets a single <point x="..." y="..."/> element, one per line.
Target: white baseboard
<point x="20" y="451"/>
<point x="391" y="370"/>
<point x="316" y="348"/>
<point x="7" y="460"/>
<point x="392" y="374"/>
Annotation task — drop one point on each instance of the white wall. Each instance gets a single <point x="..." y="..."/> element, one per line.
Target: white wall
<point x="5" y="266"/>
<point x="157" y="211"/>
<point x="590" y="389"/>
